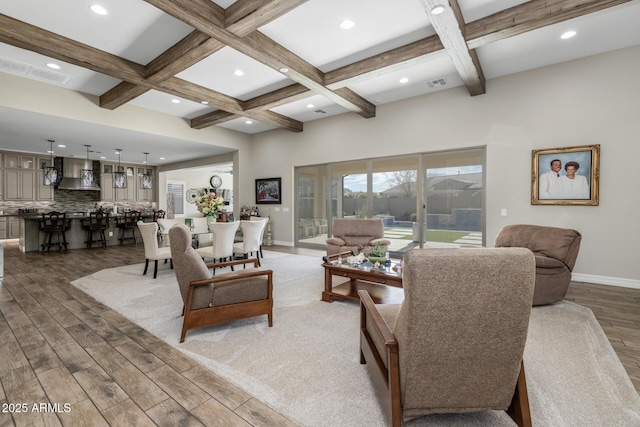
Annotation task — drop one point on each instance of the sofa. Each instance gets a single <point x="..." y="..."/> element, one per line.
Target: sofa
<point x="351" y="234"/>
<point x="555" y="249"/>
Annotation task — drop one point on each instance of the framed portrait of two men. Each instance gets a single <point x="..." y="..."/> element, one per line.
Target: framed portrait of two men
<point x="566" y="176"/>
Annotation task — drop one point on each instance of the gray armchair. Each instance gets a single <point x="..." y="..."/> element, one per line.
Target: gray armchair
<point x="456" y="342"/>
<point x="556" y="250"/>
<point x="349" y="234"/>
<point x="210" y="300"/>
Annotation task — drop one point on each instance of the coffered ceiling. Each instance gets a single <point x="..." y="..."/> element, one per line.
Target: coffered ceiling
<point x="255" y="65"/>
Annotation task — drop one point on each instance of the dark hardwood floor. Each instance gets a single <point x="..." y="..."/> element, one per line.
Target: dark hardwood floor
<point x="82" y="363"/>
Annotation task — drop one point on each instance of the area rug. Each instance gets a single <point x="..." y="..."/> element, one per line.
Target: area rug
<point x="307" y="368"/>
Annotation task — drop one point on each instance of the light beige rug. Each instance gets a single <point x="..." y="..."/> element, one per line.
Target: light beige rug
<point x="307" y="365"/>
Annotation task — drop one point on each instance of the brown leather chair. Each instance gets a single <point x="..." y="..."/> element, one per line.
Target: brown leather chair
<point x="556" y="250"/>
<point x="210" y="300"/>
<point x="456" y="342"/>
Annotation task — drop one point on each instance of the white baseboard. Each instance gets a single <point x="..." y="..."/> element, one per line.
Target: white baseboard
<point x="281" y="243"/>
<point x="604" y="280"/>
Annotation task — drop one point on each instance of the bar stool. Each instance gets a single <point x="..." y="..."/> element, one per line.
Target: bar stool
<point x="54" y="223"/>
<point x="128" y="223"/>
<point x="97" y="221"/>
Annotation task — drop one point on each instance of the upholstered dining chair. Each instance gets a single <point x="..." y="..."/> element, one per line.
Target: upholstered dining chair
<point x="210" y="300"/>
<point x="455" y="344"/>
<point x="252" y="233"/>
<point x="149" y="233"/>
<point x="223" y="234"/>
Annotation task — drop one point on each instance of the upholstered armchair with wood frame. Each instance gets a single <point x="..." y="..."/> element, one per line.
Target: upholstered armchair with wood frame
<point x="556" y="250"/>
<point x="351" y="234"/>
<point x="211" y="300"/>
<point x="456" y="342"/>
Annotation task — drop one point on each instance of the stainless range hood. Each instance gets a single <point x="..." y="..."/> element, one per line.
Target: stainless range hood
<point x="71" y="177"/>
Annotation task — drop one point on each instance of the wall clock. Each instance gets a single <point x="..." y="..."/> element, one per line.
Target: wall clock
<point x="215" y="181"/>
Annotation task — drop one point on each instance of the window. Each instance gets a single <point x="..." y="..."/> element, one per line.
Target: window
<point x="175" y="198"/>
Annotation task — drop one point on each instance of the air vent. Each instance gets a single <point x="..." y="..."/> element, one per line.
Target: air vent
<point x="21" y="69"/>
<point x="13" y="67"/>
<point x="48" y="76"/>
<point x="438" y="83"/>
<point x="320" y="111"/>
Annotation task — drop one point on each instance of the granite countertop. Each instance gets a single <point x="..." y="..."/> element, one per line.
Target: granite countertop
<point x="70" y="215"/>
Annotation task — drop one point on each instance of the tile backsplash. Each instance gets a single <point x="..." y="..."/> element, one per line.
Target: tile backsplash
<point x="71" y="201"/>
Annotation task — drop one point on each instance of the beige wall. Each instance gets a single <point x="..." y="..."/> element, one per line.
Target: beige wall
<point x="583" y="102"/>
<point x="587" y="101"/>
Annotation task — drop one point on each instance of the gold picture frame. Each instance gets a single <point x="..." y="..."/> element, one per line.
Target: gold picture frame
<point x="566" y="176"/>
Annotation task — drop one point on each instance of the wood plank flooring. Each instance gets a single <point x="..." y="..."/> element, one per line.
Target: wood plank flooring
<point x="82" y="363"/>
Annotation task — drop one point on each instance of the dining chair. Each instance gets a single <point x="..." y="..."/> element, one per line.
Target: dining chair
<point x="149" y="233"/>
<point x="252" y="232"/>
<point x="224" y="234"/>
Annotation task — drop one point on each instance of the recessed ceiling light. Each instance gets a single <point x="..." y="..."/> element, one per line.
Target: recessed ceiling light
<point x="204" y="102"/>
<point x="54" y="66"/>
<point x="175" y="101"/>
<point x="161" y="158"/>
<point x="284" y="70"/>
<point x="347" y="24"/>
<point x="403" y="80"/>
<point x="62" y="146"/>
<point x="437" y="9"/>
<point x="238" y="73"/>
<point x="97" y="9"/>
<point x="103" y="157"/>
<point x="568" y="34"/>
<point x="309" y="105"/>
<point x="249" y="122"/>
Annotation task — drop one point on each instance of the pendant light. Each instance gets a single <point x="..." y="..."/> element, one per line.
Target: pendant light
<point x="146" y="180"/>
<point x="119" y="176"/>
<point x="87" y="179"/>
<point x="50" y="173"/>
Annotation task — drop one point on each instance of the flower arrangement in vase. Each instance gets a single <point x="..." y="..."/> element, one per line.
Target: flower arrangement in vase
<point x="210" y="205"/>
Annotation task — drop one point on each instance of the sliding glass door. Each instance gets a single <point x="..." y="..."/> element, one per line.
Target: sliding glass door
<point x="423" y="200"/>
<point x="454" y="199"/>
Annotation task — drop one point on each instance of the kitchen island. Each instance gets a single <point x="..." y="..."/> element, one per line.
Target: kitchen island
<point x="31" y="237"/>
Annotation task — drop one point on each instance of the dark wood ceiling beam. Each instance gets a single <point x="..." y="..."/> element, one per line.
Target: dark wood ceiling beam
<point x="188" y="90"/>
<point x="383" y="63"/>
<point x="188" y="51"/>
<point x="121" y="94"/>
<point x="261" y="48"/>
<point x="530" y="16"/>
<point x="211" y="119"/>
<point x="245" y="16"/>
<point x="270" y="100"/>
<point x="29" y="37"/>
<point x="449" y="26"/>
<point x="285" y="95"/>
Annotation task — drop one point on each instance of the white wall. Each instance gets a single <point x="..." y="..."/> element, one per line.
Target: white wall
<point x="583" y="102"/>
<point x="196" y="179"/>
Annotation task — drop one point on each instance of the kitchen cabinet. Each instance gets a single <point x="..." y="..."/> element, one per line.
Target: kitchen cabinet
<point x="19" y="161"/>
<point x="19" y="184"/>
<point x="106" y="187"/>
<point x="13" y="227"/>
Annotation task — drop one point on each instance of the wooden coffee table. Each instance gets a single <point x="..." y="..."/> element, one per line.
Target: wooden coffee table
<point x="384" y="286"/>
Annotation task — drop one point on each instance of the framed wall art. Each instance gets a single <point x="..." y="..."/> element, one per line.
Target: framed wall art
<point x="566" y="176"/>
<point x="268" y="191"/>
